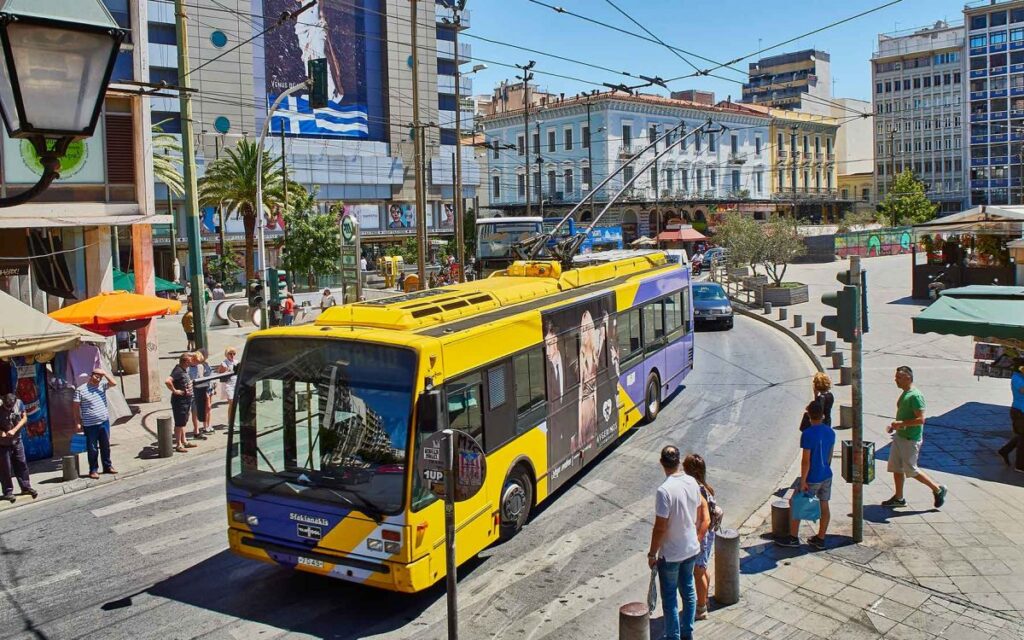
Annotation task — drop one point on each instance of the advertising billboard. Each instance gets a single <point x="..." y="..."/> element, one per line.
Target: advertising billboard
<point x="349" y="36"/>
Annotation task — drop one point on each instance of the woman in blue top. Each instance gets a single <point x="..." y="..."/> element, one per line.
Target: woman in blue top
<point x="1016" y="417"/>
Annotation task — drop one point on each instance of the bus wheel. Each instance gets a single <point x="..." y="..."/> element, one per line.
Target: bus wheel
<point x="516" y="500"/>
<point x="652" y="399"/>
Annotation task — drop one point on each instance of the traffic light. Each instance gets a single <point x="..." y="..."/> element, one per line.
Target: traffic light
<point x="317" y="69"/>
<point x="845" y="303"/>
<point x="844" y="277"/>
<point x="254" y="291"/>
<point x="274" y="285"/>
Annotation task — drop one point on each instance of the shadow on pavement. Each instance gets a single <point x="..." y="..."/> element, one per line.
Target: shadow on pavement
<point x="292" y="601"/>
<point x="882" y="515"/>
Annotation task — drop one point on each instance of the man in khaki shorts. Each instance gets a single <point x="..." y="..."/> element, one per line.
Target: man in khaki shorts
<point x="907" y="434"/>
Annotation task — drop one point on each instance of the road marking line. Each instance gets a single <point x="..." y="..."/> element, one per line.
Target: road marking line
<point x="167" y="516"/>
<point x="188" y="487"/>
<point x="45" y="582"/>
<point x="186" y="536"/>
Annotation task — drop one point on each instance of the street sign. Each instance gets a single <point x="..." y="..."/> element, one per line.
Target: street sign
<point x="351" y="273"/>
<point x="469" y="465"/>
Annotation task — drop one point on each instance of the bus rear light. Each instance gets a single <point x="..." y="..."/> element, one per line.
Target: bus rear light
<point x="394" y="536"/>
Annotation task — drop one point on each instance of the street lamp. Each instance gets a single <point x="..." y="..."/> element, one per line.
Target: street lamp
<point x="57" y="61"/>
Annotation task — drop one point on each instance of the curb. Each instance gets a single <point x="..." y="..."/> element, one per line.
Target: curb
<point x="760" y="317"/>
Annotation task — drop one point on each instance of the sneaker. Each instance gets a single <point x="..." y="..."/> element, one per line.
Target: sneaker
<point x="895" y="502"/>
<point x="816" y="542"/>
<point x="9" y="497"/>
<point x="940" y="496"/>
<point x="792" y="542"/>
<point x="30" y="492"/>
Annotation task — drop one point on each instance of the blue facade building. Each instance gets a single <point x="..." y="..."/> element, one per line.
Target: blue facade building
<point x="573" y="144"/>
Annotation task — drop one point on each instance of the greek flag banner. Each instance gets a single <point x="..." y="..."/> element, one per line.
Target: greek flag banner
<point x="337" y="120"/>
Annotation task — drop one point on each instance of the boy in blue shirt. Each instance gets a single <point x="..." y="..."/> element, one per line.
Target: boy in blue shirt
<point x="817" y="442"/>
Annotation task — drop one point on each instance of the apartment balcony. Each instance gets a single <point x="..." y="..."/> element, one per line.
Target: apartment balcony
<point x="737" y="158"/>
<point x="979" y="139"/>
<point x="1017" y="91"/>
<point x="979" y="73"/>
<point x="628" y="149"/>
<point x="783" y="155"/>
<point x="999" y="160"/>
<point x="978" y="51"/>
<point x="979" y="117"/>
<point x="443" y="13"/>
<point x="999" y="93"/>
<point x="979" y="162"/>
<point x="1000" y="182"/>
<point x="830" y="158"/>
<point x="446" y="51"/>
<point x="446" y="84"/>
<point x="996" y="48"/>
<point x="979" y="95"/>
<point x="1016" y="46"/>
<point x="997" y="71"/>
<point x="1016" y="68"/>
<point x="979" y="184"/>
<point x="1017" y="113"/>
<point x="999" y="137"/>
<point x="997" y="115"/>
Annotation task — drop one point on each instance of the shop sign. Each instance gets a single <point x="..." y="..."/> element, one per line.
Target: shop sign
<point x="83" y="163"/>
<point x="10" y="269"/>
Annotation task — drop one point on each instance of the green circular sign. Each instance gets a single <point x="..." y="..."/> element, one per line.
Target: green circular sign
<point x="70" y="164"/>
<point x="348" y="228"/>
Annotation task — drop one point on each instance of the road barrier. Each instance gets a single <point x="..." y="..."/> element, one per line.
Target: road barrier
<point x="845" y="417"/>
<point x="798" y="320"/>
<point x="830" y="348"/>
<point x="767" y="308"/>
<point x="820" y="338"/>
<point x="845" y="376"/>
<point x="783" y="314"/>
<point x="69" y="467"/>
<point x="837" y="360"/>
<point x="809" y="329"/>
<point x="727" y="567"/>
<point x="780" y="518"/>
<point x="165" y="436"/>
<point x="635" y="621"/>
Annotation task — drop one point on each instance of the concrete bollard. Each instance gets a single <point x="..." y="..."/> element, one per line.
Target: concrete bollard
<point x="780" y="518"/>
<point x="783" y="314"/>
<point x="830" y="348"/>
<point x="165" y="436"/>
<point x="635" y="621"/>
<point x="798" y="320"/>
<point x="845" y="417"/>
<point x="845" y="376"/>
<point x="820" y="338"/>
<point x="837" y="359"/>
<point x="809" y="329"/>
<point x="727" y="567"/>
<point x="767" y="308"/>
<point x="69" y="466"/>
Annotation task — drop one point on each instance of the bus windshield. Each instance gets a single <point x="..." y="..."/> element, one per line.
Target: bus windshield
<point x="324" y="419"/>
<point x="495" y="239"/>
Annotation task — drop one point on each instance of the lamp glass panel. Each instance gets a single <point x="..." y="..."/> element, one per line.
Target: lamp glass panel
<point x="7" y="103"/>
<point x="60" y="74"/>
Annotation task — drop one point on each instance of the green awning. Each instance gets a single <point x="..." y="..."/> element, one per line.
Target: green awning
<point x="978" y="311"/>
<point x="126" y="282"/>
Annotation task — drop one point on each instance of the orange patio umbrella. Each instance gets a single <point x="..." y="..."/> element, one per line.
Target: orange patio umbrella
<point x="113" y="311"/>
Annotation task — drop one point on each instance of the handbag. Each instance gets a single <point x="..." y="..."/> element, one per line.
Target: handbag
<point x="652" y="591"/>
<point x="78" y="444"/>
<point x="806" y="506"/>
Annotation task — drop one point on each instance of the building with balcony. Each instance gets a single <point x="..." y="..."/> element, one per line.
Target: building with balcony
<point x="995" y="100"/>
<point x="360" y="149"/>
<point x="782" y="81"/>
<point x="918" y="81"/>
<point x="575" y="143"/>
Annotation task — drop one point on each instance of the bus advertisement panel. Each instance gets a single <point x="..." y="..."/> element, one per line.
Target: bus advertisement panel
<point x="582" y="377"/>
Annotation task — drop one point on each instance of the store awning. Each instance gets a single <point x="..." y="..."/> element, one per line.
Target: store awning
<point x="25" y="331"/>
<point x="978" y="310"/>
<point x="986" y="219"/>
<point x="126" y="282"/>
<point x="681" y="235"/>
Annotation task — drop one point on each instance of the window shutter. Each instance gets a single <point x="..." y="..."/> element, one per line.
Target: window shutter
<point x="120" y="141"/>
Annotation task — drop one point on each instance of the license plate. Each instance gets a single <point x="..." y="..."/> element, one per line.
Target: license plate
<point x="311" y="562"/>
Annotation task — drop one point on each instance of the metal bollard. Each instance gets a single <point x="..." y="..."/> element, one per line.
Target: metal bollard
<point x="165" y="436"/>
<point x="845" y="376"/>
<point x="797" y="320"/>
<point x="635" y="621"/>
<point x="809" y="329"/>
<point x="845" y="417"/>
<point x="830" y="348"/>
<point x="837" y="359"/>
<point x="820" y="338"/>
<point x="727" y="567"/>
<point x="783" y="314"/>
<point x="780" y="518"/>
<point x="69" y="466"/>
<point x="767" y="308"/>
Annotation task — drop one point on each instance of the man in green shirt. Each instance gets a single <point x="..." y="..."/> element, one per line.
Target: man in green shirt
<point x="907" y="432"/>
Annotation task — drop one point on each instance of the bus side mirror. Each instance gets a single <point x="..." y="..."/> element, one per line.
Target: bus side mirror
<point x="430" y="412"/>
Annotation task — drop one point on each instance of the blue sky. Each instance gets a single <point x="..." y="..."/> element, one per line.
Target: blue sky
<point x="718" y="29"/>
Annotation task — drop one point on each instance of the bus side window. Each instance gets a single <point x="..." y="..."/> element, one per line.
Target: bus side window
<point x="673" y="315"/>
<point x="684" y="308"/>
<point x="465" y="411"/>
<point x="500" y="419"/>
<point x="530" y="390"/>
<point x="630" y="342"/>
<point x="654" y="324"/>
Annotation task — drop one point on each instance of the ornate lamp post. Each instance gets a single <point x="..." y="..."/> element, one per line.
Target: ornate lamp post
<point x="57" y="61"/>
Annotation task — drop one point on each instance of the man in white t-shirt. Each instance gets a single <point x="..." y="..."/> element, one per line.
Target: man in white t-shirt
<point x="679" y="526"/>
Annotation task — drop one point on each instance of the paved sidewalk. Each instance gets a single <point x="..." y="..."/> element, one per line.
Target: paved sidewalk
<point x="921" y="573"/>
<point x="133" y="439"/>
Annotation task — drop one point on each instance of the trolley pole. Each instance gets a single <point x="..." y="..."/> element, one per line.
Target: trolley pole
<point x="460" y="239"/>
<point x="858" y="403"/>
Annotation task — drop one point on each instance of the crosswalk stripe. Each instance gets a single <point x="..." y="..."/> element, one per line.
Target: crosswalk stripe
<point x="187" y="487"/>
<point x="185" y="536"/>
<point x="168" y="516"/>
<point x="45" y="582"/>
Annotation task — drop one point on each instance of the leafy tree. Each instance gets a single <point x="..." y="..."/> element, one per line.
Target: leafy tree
<point x="314" y="238"/>
<point x="741" y="235"/>
<point x="780" y="245"/>
<point x="231" y="180"/>
<point x="906" y="202"/>
<point x="226" y="266"/>
<point x="167" y="159"/>
<point x="854" y="220"/>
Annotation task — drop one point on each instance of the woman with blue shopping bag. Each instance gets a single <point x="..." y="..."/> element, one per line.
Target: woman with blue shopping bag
<point x="814" y="488"/>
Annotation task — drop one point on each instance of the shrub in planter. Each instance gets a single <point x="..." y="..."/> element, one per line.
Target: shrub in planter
<point x="788" y="294"/>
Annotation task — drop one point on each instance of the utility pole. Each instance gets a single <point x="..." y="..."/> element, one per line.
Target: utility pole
<point x="460" y="236"/>
<point x="858" y="402"/>
<point x="175" y="267"/>
<point x="540" y="171"/>
<point x="418" y="133"/>
<point x="284" y="182"/>
<point x="220" y="212"/>
<point x="526" y="77"/>
<point x="892" y="163"/>
<point x="188" y="162"/>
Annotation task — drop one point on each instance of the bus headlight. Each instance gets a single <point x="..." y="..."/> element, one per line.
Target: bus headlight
<point x="392" y="548"/>
<point x="373" y="544"/>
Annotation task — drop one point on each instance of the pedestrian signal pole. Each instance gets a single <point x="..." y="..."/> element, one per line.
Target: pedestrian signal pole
<point x="856" y="357"/>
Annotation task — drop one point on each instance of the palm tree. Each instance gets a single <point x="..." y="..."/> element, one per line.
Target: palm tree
<point x="165" y="165"/>
<point x="231" y="180"/>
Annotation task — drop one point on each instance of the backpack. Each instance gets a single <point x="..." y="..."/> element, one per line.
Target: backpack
<point x="717" y="514"/>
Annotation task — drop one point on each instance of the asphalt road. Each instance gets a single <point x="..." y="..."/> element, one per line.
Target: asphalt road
<point x="146" y="557"/>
